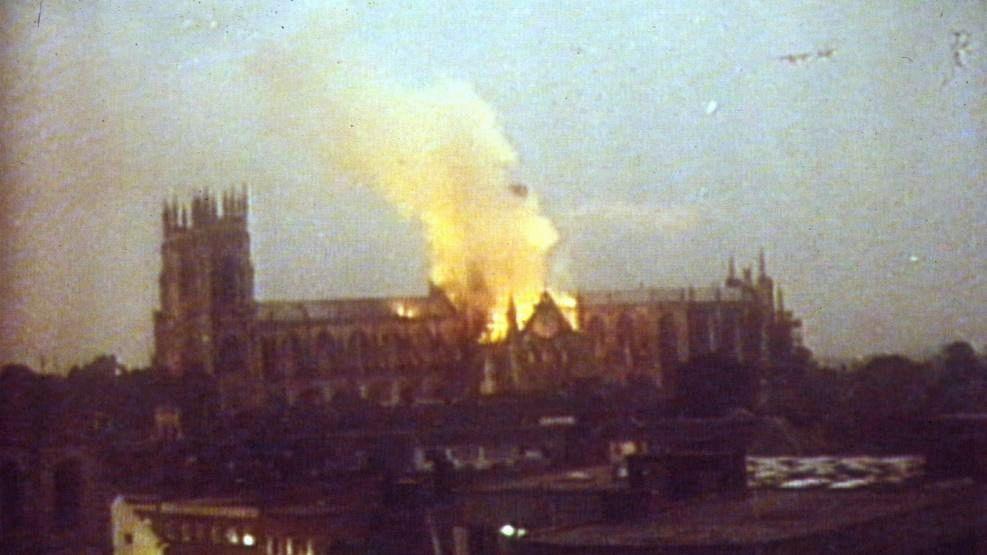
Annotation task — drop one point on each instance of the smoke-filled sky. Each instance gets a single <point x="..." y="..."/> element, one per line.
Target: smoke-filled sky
<point x="847" y="139"/>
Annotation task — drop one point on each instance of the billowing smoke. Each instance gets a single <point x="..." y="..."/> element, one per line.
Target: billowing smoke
<point x="440" y="156"/>
<point x="437" y="153"/>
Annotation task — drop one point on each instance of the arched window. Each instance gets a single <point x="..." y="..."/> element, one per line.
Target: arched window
<point x="625" y="330"/>
<point x="227" y="286"/>
<point x="287" y="359"/>
<point x="751" y="336"/>
<point x="299" y="356"/>
<point x="358" y="350"/>
<point x="422" y="347"/>
<point x="668" y="343"/>
<point x="549" y="355"/>
<point x="642" y="347"/>
<point x="67" y="501"/>
<point x="406" y="355"/>
<point x="596" y="328"/>
<point x="699" y="336"/>
<point x="305" y="363"/>
<point x="729" y="331"/>
<point x="11" y="498"/>
<point x="389" y="350"/>
<point x="326" y="352"/>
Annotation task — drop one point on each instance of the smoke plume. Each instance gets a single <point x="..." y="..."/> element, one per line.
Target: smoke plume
<point x="439" y="155"/>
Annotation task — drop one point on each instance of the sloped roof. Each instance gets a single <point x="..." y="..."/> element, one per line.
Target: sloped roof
<point x="648" y="295"/>
<point x="547" y="320"/>
<point x="356" y="310"/>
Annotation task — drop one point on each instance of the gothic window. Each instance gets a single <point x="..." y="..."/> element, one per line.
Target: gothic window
<point x="423" y="350"/>
<point x="728" y="333"/>
<point x="359" y="349"/>
<point x="597" y="330"/>
<point x="699" y="337"/>
<point x="751" y="337"/>
<point x="389" y="349"/>
<point x="227" y="285"/>
<point x="406" y="352"/>
<point x="299" y="362"/>
<point x="67" y="500"/>
<point x="307" y="363"/>
<point x="286" y="359"/>
<point x="326" y="351"/>
<point x="668" y="342"/>
<point x="625" y="331"/>
<point x="548" y="355"/>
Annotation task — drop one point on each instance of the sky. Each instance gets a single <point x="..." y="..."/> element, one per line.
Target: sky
<point x="846" y="139"/>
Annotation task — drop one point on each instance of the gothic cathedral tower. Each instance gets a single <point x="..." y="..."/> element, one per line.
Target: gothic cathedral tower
<point x="206" y="291"/>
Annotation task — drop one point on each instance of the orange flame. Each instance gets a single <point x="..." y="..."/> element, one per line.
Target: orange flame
<point x="498" y="322"/>
<point x="440" y="156"/>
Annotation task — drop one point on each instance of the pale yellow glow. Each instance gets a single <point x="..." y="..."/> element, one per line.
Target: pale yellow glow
<point x="404" y="311"/>
<point x="498" y="324"/>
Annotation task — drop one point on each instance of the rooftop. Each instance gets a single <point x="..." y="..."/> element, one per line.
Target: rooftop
<point x="765" y="516"/>
<point x="645" y="295"/>
<point x="597" y="478"/>
<point x="348" y="310"/>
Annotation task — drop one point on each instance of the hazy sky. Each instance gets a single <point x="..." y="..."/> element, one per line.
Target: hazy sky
<point x="660" y="136"/>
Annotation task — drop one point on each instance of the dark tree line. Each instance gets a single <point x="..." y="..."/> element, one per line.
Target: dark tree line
<point x="874" y="406"/>
<point x="880" y="405"/>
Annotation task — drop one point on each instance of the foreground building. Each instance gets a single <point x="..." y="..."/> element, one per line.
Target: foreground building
<point x="678" y="486"/>
<point x="683" y="491"/>
<point x="152" y="526"/>
<point x="50" y="498"/>
<point x="390" y="348"/>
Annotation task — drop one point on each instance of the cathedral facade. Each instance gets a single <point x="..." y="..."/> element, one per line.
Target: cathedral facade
<point x="388" y="348"/>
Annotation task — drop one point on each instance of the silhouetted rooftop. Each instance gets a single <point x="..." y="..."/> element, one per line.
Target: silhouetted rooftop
<point x="645" y="295"/>
<point x="773" y="516"/>
<point x="346" y="310"/>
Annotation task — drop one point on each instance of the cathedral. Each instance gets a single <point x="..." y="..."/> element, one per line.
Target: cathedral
<point x="390" y="349"/>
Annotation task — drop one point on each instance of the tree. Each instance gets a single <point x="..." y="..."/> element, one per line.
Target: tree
<point x="963" y="381"/>
<point x="887" y="395"/>
<point x="960" y="360"/>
